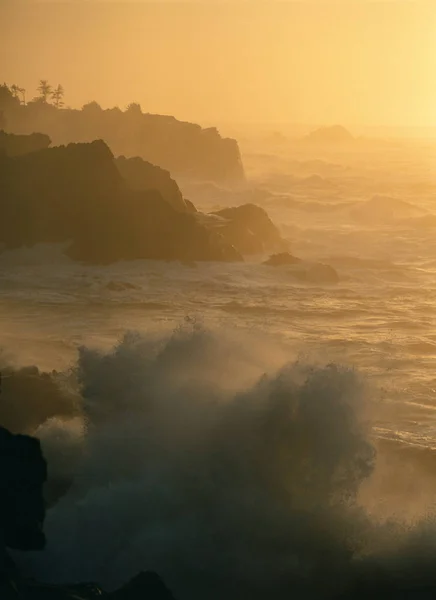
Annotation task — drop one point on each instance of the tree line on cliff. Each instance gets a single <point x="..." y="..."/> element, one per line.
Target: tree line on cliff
<point x="185" y="149"/>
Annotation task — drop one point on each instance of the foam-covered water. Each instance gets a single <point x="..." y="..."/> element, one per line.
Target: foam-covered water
<point x="254" y="434"/>
<point x="211" y="458"/>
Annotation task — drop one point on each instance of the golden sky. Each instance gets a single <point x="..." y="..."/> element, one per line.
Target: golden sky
<point x="316" y="61"/>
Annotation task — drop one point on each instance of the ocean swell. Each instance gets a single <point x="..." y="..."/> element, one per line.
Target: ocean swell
<point x="221" y="466"/>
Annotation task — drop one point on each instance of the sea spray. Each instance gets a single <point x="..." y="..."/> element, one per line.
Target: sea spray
<point x="226" y="479"/>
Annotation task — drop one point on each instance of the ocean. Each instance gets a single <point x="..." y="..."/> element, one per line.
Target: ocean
<point x="237" y="430"/>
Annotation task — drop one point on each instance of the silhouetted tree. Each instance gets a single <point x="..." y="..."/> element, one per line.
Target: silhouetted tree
<point x="44" y="89"/>
<point x="134" y="108"/>
<point x="58" y="96"/>
<point x="22" y="91"/>
<point x="15" y="90"/>
<point x="2" y="120"/>
<point x="92" y="107"/>
<point x="7" y="99"/>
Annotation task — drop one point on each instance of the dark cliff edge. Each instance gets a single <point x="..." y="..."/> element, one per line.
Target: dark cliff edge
<point x="113" y="209"/>
<point x="185" y="149"/>
<point x="23" y="474"/>
<point x="17" y="145"/>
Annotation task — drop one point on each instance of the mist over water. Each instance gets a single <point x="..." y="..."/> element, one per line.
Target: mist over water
<point x="254" y="434"/>
<point x="211" y="458"/>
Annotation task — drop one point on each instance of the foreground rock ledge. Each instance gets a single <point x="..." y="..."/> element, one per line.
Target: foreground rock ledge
<point x="23" y="471"/>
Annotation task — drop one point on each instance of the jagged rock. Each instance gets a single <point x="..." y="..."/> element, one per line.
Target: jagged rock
<point x="185" y="149"/>
<point x="336" y="134"/>
<point x="190" y="206"/>
<point x="281" y="259"/>
<point x="76" y="194"/>
<point x="144" y="586"/>
<point x="149" y="228"/>
<point x="320" y="273"/>
<point x="33" y="590"/>
<point x="53" y="195"/>
<point x="147" y="585"/>
<point x="23" y="471"/>
<point x="142" y="175"/>
<point x="249" y="229"/>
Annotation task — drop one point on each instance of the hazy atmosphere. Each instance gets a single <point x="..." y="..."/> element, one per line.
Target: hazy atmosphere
<point x="217" y="300"/>
<point x="355" y="62"/>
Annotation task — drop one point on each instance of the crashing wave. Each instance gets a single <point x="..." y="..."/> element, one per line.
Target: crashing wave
<point x="222" y="467"/>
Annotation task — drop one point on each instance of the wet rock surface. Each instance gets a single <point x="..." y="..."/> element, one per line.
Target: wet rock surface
<point x="23" y="470"/>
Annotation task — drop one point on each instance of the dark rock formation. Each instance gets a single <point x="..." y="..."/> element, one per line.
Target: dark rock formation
<point x="23" y="472"/>
<point x="55" y="194"/>
<point x="16" y="145"/>
<point x="76" y="193"/>
<point x="320" y="273"/>
<point x="143" y="226"/>
<point x="283" y="258"/>
<point x="185" y="149"/>
<point x="147" y="585"/>
<point x="144" y="586"/>
<point x="118" y="209"/>
<point x="29" y="397"/>
<point x="142" y="175"/>
<point x="22" y="510"/>
<point x="190" y="206"/>
<point x="249" y="229"/>
<point x="330" y="136"/>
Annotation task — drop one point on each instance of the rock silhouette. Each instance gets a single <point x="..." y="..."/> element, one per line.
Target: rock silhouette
<point x="76" y="193"/>
<point x="336" y="134"/>
<point x="281" y="259"/>
<point x="185" y="149"/>
<point x="141" y="175"/>
<point x="16" y="145"/>
<point x="111" y="209"/>
<point x="23" y="473"/>
<point x="249" y="229"/>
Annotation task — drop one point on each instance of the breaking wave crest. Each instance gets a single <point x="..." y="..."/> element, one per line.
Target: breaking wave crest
<point x="224" y="468"/>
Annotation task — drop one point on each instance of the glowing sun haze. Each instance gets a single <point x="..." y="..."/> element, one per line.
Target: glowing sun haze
<point x="314" y="61"/>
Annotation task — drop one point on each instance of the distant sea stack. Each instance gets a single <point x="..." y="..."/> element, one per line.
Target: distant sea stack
<point x="185" y="149"/>
<point x="330" y="136"/>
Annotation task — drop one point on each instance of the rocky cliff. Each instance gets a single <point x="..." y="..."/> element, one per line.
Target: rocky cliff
<point x="16" y="145"/>
<point x="185" y="149"/>
<point x="141" y="175"/>
<point x="117" y="209"/>
<point x="76" y="193"/>
<point x="249" y="228"/>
